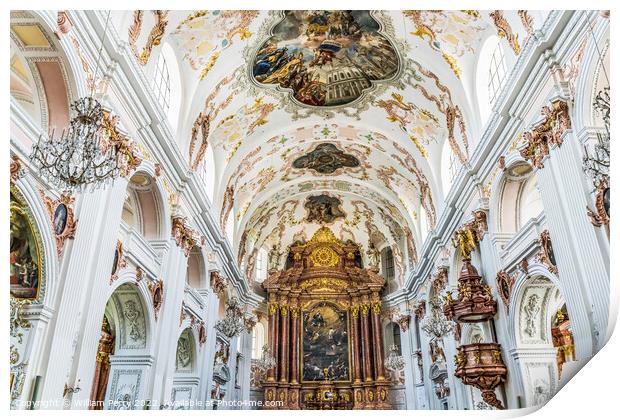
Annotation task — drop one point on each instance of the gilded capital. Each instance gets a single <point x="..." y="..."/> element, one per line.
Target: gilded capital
<point x="273" y="308"/>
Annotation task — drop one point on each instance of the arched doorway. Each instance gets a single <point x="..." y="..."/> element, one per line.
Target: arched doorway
<point x="123" y="357"/>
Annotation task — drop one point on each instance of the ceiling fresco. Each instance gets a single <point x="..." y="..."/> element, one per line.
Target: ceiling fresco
<point x="382" y="163"/>
<point x="327" y="58"/>
<point x="339" y="118"/>
<point x="323" y="209"/>
<point x="325" y="159"/>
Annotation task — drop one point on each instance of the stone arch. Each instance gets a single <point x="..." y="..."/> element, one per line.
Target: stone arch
<point x="186" y="374"/>
<point x="49" y="65"/>
<point x="590" y="77"/>
<point x="533" y="311"/>
<point x="130" y="321"/>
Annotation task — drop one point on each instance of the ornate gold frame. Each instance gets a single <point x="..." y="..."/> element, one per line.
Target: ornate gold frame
<point x="544" y="256"/>
<point x="70" y="224"/>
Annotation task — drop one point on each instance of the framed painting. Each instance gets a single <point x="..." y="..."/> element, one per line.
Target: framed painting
<point x="325" y="344"/>
<point x="25" y="252"/>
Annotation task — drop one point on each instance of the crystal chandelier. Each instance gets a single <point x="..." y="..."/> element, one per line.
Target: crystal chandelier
<point x="235" y="319"/>
<point x="394" y="362"/>
<point x="436" y="324"/>
<point x="78" y="158"/>
<point x="267" y="361"/>
<point x="596" y="161"/>
<point x="82" y="156"/>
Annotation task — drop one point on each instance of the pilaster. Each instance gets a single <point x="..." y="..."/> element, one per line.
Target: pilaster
<point x="173" y="273"/>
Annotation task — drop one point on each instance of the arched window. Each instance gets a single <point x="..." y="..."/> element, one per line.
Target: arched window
<point x="261" y="265"/>
<point x="387" y="263"/>
<point x="167" y="85"/>
<point x="490" y="74"/>
<point x="391" y="334"/>
<point x="161" y="83"/>
<point x="258" y="340"/>
<point x="396" y="335"/>
<point x="497" y="73"/>
<point x="530" y="203"/>
<point x="449" y="167"/>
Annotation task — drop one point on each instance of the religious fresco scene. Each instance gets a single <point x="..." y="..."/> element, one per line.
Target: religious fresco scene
<point x="307" y="209"/>
<point x="327" y="58"/>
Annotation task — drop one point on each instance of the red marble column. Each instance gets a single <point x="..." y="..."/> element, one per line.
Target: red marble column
<point x="355" y="342"/>
<point x="294" y="344"/>
<point x="284" y="343"/>
<point x="366" y="338"/>
<point x="273" y="338"/>
<point x="378" y="341"/>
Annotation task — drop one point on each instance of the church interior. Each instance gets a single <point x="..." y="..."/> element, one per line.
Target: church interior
<point x="308" y="209"/>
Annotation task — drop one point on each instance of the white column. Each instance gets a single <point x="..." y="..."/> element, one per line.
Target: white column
<point x="244" y="376"/>
<point x="583" y="270"/>
<point x="209" y="353"/>
<point x="77" y="327"/>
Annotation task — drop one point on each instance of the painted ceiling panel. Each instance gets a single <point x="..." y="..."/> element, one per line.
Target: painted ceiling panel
<point x="347" y="114"/>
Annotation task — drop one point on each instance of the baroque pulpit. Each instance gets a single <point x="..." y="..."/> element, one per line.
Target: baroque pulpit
<point x="325" y="329"/>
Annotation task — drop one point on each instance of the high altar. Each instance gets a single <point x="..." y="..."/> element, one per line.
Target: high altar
<point x="325" y="329"/>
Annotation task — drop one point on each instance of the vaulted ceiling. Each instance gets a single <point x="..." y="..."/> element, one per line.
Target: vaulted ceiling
<point x="314" y="118"/>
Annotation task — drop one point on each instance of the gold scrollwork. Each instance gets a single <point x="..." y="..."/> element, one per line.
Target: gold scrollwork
<point x="324" y="283"/>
